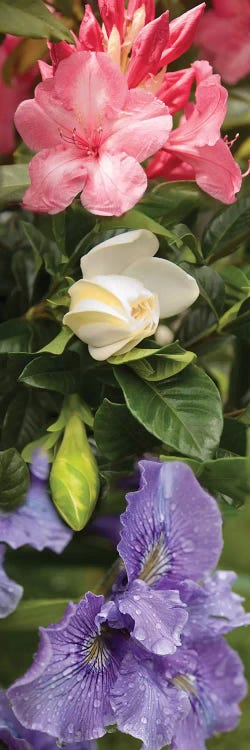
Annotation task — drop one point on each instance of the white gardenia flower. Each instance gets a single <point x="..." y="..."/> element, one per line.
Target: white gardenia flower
<point x="124" y="292"/>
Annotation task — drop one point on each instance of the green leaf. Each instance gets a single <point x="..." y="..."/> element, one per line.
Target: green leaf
<point x="58" y="344"/>
<point x="31" y="614"/>
<point x="227" y="230"/>
<point x="165" y="363"/>
<point x="15" y="336"/>
<point x="237" y="282"/>
<point x="45" y="441"/>
<point x="54" y="373"/>
<point x="14" y="479"/>
<point x="185" y="412"/>
<point x="238" y="108"/>
<point x="133" y="355"/>
<point x="32" y="19"/>
<point x="137" y="220"/>
<point x="118" y="434"/>
<point x="14" y="180"/>
<point x="24" y="419"/>
<point x="170" y="202"/>
<point x="210" y="285"/>
<point x="42" y="246"/>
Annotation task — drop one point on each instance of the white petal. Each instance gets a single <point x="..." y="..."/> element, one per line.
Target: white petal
<point x="175" y="288"/>
<point x="104" y="352"/>
<point x="97" y="328"/>
<point x="114" y="255"/>
<point x="125" y="288"/>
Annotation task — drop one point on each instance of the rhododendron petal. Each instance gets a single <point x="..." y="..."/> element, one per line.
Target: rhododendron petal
<point x="226" y="20"/>
<point x="181" y="33"/>
<point x="46" y="71"/>
<point x="176" y="290"/>
<point x="202" y="127"/>
<point x="147" y="50"/>
<point x="59" y="51"/>
<point x="12" y="95"/>
<point x="90" y="34"/>
<point x="114" y="184"/>
<point x="112" y="13"/>
<point x="175" y="89"/>
<point x="168" y="166"/>
<point x="76" y="86"/>
<point x="149" y="5"/>
<point x="216" y="171"/>
<point x="142" y="128"/>
<point x="56" y="177"/>
<point x="42" y="134"/>
<point x="116" y="254"/>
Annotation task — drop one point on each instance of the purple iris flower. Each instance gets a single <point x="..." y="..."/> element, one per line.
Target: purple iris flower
<point x="146" y="657"/>
<point x="10" y="591"/>
<point x="16" y="737"/>
<point x="215" y="688"/>
<point x="36" y="522"/>
<point x="213" y="608"/>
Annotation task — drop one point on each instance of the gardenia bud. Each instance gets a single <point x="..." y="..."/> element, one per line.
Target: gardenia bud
<point x="74" y="478"/>
<point x="124" y="293"/>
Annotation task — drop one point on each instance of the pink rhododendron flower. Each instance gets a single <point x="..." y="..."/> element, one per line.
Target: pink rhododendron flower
<point x="224" y="38"/>
<point x="91" y="133"/>
<point x="195" y="149"/>
<point x="139" y="43"/>
<point x="10" y="96"/>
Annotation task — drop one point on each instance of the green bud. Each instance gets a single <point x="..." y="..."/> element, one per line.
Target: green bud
<point x="74" y="478"/>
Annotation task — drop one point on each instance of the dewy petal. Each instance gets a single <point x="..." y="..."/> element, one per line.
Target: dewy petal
<point x="176" y="290"/>
<point x="114" y="255"/>
<point x="66" y="692"/>
<point x="115" y="182"/>
<point x="145" y="704"/>
<point x="10" y="591"/>
<point x="56" y="178"/>
<point x="16" y="737"/>
<point x="181" y="34"/>
<point x="147" y="50"/>
<point x="213" y="608"/>
<point x="171" y="528"/>
<point x="219" y="686"/>
<point x="142" y="127"/>
<point x="158" y="616"/>
<point x="36" y="522"/>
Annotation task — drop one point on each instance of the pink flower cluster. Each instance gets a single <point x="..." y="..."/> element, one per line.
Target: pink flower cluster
<point x="11" y="95"/>
<point x="224" y="38"/>
<point x="105" y="105"/>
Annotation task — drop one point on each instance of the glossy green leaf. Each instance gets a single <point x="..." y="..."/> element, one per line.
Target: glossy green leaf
<point x="14" y="180"/>
<point x="238" y="108"/>
<point x="14" y="479"/>
<point x="185" y="412"/>
<point x="210" y="284"/>
<point x="227" y="230"/>
<point x="59" y="343"/>
<point x="15" y="336"/>
<point x="54" y="373"/>
<point x="135" y="219"/>
<point x="45" y="248"/>
<point x="74" y="478"/>
<point x="165" y="363"/>
<point x="118" y="434"/>
<point x="31" y="18"/>
<point x="24" y="419"/>
<point x="172" y="201"/>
